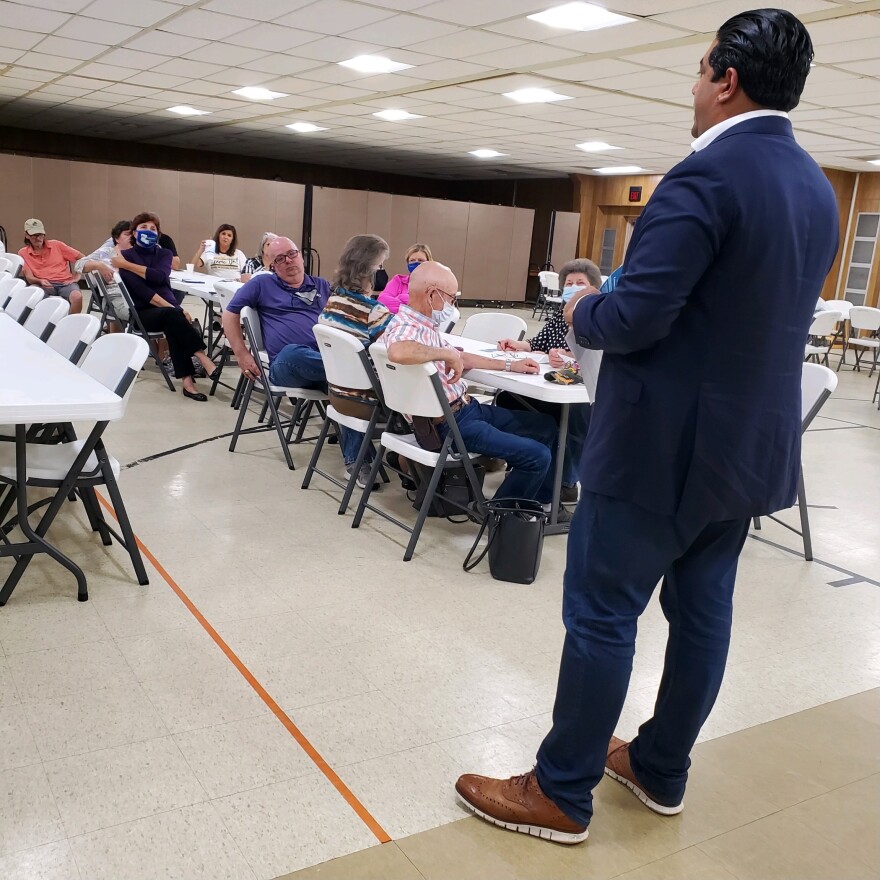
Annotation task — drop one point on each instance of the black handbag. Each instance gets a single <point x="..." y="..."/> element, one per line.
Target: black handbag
<point x="454" y="485"/>
<point x="516" y="540"/>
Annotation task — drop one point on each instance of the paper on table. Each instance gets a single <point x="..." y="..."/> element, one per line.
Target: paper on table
<point x="537" y="356"/>
<point x="589" y="361"/>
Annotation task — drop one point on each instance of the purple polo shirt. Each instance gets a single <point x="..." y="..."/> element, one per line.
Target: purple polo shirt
<point x="286" y="319"/>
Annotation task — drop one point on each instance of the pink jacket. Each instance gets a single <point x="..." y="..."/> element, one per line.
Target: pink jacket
<point x="396" y="293"/>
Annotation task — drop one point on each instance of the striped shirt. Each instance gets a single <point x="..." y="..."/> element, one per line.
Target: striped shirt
<point x="412" y="326"/>
<point x="356" y="313"/>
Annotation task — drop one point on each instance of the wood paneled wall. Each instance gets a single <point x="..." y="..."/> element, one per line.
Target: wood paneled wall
<point x="487" y="246"/>
<point x="79" y="202"/>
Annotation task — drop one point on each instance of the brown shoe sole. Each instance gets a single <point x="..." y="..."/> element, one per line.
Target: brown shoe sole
<point x="540" y="831"/>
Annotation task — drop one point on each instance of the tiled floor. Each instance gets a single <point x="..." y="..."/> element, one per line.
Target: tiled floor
<point x="135" y="750"/>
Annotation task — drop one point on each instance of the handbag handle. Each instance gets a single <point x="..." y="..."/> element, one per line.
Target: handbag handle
<point x="471" y="552"/>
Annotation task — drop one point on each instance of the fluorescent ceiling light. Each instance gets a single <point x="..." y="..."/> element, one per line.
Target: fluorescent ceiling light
<point x="183" y="110"/>
<point x="579" y="17"/>
<point x="596" y="147"/>
<point x="305" y="127"/>
<point x="397" y="115"/>
<point x="258" y="93"/>
<point x="373" y="64"/>
<point x="486" y="154"/>
<point x="535" y="96"/>
<point x="619" y="169"/>
<point x="874" y="161"/>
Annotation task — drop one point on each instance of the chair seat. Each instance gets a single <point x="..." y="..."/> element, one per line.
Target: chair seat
<point x="302" y="393"/>
<point x="815" y="349"/>
<point x="553" y="300"/>
<point x="407" y="446"/>
<point x="866" y="342"/>
<point x="359" y="425"/>
<point x="49" y="462"/>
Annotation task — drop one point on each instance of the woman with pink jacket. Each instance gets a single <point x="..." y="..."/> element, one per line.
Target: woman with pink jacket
<point x="396" y="292"/>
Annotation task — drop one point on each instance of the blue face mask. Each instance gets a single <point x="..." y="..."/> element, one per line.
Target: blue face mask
<point x="411" y="267"/>
<point x="147" y="238"/>
<point x="569" y="291"/>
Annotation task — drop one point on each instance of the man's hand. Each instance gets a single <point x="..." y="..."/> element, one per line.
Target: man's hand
<point x="105" y="272"/>
<point x="571" y="305"/>
<point x="248" y="365"/>
<point x="44" y="283"/>
<point x="513" y="345"/>
<point x="526" y="365"/>
<point x="117" y="261"/>
<point x="454" y="364"/>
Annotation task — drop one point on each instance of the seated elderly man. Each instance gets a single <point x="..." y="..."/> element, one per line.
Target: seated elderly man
<point x="99" y="261"/>
<point x="525" y="440"/>
<point x="47" y="264"/>
<point x="289" y="303"/>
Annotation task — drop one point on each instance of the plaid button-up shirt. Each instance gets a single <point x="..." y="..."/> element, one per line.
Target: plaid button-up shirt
<point x="412" y="326"/>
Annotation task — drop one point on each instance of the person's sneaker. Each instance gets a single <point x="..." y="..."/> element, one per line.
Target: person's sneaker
<point x="518" y="804"/>
<point x="363" y="477"/>
<point x="569" y="494"/>
<point x="618" y="767"/>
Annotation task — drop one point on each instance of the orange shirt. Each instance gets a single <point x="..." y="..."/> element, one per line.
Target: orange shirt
<point x="51" y="263"/>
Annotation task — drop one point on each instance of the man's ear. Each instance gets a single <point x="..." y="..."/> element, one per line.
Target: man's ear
<point x="729" y="85"/>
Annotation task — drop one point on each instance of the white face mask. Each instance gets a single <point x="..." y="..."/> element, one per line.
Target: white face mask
<point x="570" y="290"/>
<point x="444" y="315"/>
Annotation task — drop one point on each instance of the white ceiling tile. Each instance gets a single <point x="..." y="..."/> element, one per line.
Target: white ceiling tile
<point x="225" y="54"/>
<point x="271" y="38"/>
<point x="156" y="80"/>
<point x="95" y="30"/>
<point x="465" y="43"/>
<point x="708" y="17"/>
<point x="7" y="56"/>
<point x="165" y="43"/>
<point x="207" y="25"/>
<point x="333" y="17"/>
<point x="871" y="68"/>
<point x="128" y="89"/>
<point x="523" y="56"/>
<point x="840" y="53"/>
<point x="640" y="33"/>
<point x="850" y="27"/>
<point x="588" y="71"/>
<point x="281" y="65"/>
<point x="14" y="39"/>
<point x="143" y="13"/>
<point x="30" y="17"/>
<point x="236" y="78"/>
<point x="336" y="49"/>
<point x="31" y="74"/>
<point x="204" y="87"/>
<point x="185" y="67"/>
<point x="470" y="13"/>
<point x="258" y="10"/>
<point x="134" y="60"/>
<point x="335" y="93"/>
<point x="450" y="70"/>
<point x="48" y="62"/>
<point x="403" y="30"/>
<point x="69" y="48"/>
<point x="108" y="72"/>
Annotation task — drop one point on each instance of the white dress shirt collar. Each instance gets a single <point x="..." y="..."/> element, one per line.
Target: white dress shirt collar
<point x="707" y="137"/>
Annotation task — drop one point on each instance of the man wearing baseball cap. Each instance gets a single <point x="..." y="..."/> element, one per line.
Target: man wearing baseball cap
<point x="47" y="264"/>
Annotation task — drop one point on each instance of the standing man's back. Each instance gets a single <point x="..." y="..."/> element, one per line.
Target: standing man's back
<point x="696" y="428"/>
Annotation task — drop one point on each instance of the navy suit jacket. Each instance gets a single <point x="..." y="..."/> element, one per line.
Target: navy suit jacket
<point x="698" y="407"/>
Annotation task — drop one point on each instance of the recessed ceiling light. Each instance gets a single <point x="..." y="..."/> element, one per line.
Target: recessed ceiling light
<point x="183" y="110"/>
<point x="596" y="147"/>
<point x="535" y="96"/>
<point x="619" y="169"/>
<point x="579" y="17"/>
<point x="305" y="127"/>
<point x="486" y="154"/>
<point x="258" y="93"/>
<point x="373" y="64"/>
<point x="397" y="115"/>
<point x="874" y="161"/>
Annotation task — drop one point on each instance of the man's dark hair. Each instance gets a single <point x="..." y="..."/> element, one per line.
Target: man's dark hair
<point x="119" y="228"/>
<point x="771" y="52"/>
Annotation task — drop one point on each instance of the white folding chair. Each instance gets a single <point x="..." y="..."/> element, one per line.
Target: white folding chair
<point x="863" y="318"/>
<point x="347" y="365"/>
<point x="817" y="385"/>
<point x="302" y="399"/>
<point x="822" y="335"/>
<point x="5" y="265"/>
<point x="225" y="290"/>
<point x="548" y="282"/>
<point x="492" y="326"/>
<point x="8" y="286"/>
<point x="73" y="336"/>
<point x="416" y="389"/>
<point x="46" y="315"/>
<point x="80" y="465"/>
<point x="23" y="302"/>
<point x="15" y="264"/>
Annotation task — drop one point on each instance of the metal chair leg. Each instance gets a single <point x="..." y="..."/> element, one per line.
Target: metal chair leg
<point x="805" y="517"/>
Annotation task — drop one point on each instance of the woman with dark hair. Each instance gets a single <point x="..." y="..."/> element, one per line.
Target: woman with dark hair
<point x="220" y="256"/>
<point x="145" y="269"/>
<point x="353" y="309"/>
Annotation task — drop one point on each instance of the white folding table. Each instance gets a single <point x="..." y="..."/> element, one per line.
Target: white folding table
<point x="534" y="387"/>
<point x="40" y="386"/>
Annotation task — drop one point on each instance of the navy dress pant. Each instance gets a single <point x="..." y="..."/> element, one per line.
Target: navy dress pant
<point x="617" y="554"/>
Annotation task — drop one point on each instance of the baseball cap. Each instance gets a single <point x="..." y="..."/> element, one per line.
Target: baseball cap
<point x="34" y="227"/>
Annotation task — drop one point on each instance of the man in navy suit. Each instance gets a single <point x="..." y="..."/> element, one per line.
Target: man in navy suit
<point x="696" y="428"/>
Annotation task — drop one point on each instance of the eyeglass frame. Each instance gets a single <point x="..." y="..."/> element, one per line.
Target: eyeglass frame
<point x="289" y="257"/>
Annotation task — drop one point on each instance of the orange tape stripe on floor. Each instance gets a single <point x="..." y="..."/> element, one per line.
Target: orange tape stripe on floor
<point x="350" y="798"/>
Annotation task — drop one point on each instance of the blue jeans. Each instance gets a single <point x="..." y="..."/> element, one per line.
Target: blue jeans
<point x="525" y="440"/>
<point x="298" y="366"/>
<point x="617" y="552"/>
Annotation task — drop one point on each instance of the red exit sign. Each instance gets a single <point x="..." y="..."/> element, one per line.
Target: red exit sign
<point x="635" y="193"/>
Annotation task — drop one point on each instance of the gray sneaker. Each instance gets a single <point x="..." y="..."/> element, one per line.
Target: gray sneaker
<point x="363" y="477"/>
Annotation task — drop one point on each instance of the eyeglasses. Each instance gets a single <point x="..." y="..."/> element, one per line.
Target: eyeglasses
<point x="289" y="257"/>
<point x="449" y="297"/>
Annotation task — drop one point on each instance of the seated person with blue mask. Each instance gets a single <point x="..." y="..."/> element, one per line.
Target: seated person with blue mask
<point x="574" y="277"/>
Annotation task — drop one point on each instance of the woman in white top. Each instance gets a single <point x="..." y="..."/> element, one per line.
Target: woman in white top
<point x="224" y="260"/>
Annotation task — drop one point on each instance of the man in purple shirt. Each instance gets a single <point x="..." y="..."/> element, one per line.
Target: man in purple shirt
<point x="288" y="302"/>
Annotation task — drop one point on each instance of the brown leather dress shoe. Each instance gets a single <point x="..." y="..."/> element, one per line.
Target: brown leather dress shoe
<point x="618" y="767"/>
<point x="518" y="804"/>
